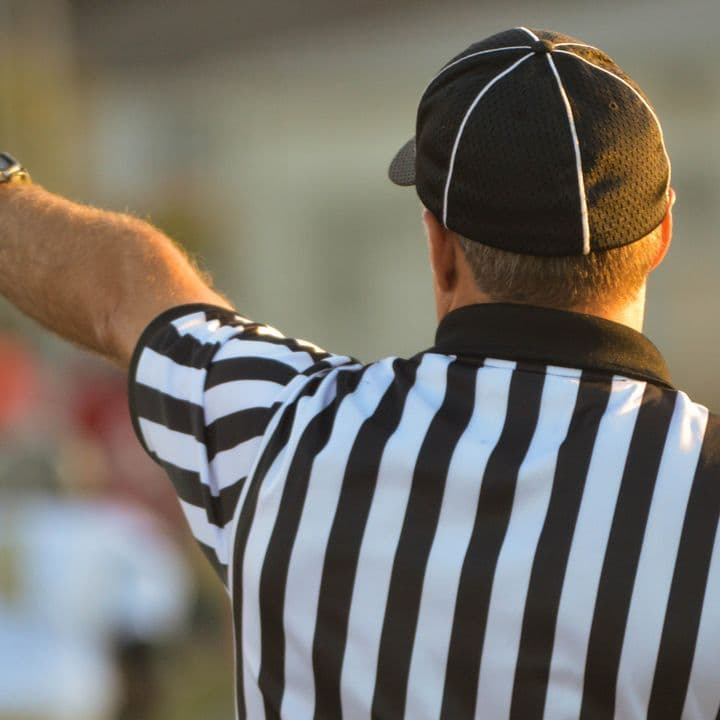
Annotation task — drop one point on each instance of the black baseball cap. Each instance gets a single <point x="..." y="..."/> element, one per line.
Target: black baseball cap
<point x="537" y="143"/>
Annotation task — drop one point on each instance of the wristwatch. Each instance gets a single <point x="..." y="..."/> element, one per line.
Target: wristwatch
<point x="11" y="171"/>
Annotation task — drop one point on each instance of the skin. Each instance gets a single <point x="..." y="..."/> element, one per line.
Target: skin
<point x="455" y="287"/>
<point x="95" y="278"/>
<point x="98" y="278"/>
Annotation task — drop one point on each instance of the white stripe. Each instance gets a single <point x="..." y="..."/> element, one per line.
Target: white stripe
<point x="229" y="466"/>
<point x="462" y="128"/>
<point x="268" y="502"/>
<point x="587" y="552"/>
<point x="499" y="363"/>
<point x="251" y="569"/>
<point x="203" y="330"/>
<point x="472" y="55"/>
<point x="179" y="381"/>
<point x="236" y="395"/>
<point x="250" y="346"/>
<point x="302" y="590"/>
<point x="184" y="451"/>
<point x="224" y="464"/>
<point x="382" y="533"/>
<point x="657" y="557"/>
<point x="232" y="527"/>
<point x="175" y="447"/>
<point x="514" y="567"/>
<point x="213" y="331"/>
<point x="269" y="331"/>
<point x="454" y="531"/>
<point x="637" y="94"/>
<point x="578" y="158"/>
<point x="298" y="360"/>
<point x="207" y="533"/>
<point x="703" y="694"/>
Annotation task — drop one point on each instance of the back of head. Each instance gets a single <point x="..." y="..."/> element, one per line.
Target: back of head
<point x="567" y="282"/>
<point x="549" y="164"/>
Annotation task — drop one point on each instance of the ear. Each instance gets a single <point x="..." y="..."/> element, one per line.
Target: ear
<point x="442" y="250"/>
<point x="667" y="224"/>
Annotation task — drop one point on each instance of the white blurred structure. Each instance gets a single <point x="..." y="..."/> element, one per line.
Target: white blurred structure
<point x="76" y="577"/>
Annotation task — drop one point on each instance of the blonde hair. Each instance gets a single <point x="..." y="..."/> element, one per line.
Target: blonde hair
<point x="608" y="277"/>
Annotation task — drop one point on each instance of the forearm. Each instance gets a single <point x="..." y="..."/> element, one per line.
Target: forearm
<point x="93" y="277"/>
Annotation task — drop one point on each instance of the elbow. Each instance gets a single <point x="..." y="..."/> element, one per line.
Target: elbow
<point x="110" y="338"/>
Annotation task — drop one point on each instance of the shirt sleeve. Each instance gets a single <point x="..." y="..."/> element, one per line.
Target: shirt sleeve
<point x="204" y="384"/>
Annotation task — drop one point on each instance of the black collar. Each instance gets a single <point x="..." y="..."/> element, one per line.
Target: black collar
<point x="551" y="337"/>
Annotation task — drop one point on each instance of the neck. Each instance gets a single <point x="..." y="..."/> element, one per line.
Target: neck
<point x="631" y="314"/>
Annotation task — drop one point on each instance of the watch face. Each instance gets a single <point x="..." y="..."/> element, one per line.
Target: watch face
<point x="11" y="170"/>
<point x="6" y="161"/>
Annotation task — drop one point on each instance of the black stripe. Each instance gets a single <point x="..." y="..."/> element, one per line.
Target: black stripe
<point x="229" y="431"/>
<point x="161" y="332"/>
<point x="190" y="488"/>
<point x="689" y="583"/>
<point x="551" y="555"/>
<point x="164" y="338"/>
<point x="622" y="554"/>
<point x="343" y="546"/>
<point x="418" y="531"/>
<point x="249" y="368"/>
<point x="185" y="349"/>
<point x="219" y="567"/>
<point x="495" y="501"/>
<point x="319" y="366"/>
<point x="277" y="557"/>
<point x="185" y="417"/>
<point x="179" y="415"/>
<point x="226" y="317"/>
<point x="274" y="447"/>
<point x="333" y="361"/>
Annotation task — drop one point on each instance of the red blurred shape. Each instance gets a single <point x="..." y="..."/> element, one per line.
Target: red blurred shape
<point x="19" y="381"/>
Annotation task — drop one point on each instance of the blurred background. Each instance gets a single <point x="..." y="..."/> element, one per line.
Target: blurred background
<point x="257" y="133"/>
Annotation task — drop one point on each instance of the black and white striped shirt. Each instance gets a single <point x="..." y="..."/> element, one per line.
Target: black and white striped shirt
<point x="520" y="522"/>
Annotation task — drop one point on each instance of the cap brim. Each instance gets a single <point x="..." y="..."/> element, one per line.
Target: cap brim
<point x="402" y="168"/>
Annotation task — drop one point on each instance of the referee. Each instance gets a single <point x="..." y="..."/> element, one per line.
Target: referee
<point x="519" y="522"/>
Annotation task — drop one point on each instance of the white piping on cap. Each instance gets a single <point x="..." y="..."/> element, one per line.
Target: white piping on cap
<point x="578" y="158"/>
<point x="529" y="32"/>
<point x="472" y="55"/>
<point x="576" y="147"/>
<point x="639" y="96"/>
<point x="473" y="105"/>
<point x="582" y="45"/>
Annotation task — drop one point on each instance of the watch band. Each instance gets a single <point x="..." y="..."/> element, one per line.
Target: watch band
<point x="12" y="171"/>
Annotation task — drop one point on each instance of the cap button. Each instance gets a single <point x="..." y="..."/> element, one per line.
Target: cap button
<point x="542" y="46"/>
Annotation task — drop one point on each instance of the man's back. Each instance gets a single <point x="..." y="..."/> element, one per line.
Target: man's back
<point x="455" y="535"/>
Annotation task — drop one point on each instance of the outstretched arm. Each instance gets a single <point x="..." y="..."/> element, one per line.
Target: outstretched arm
<point x="96" y="278"/>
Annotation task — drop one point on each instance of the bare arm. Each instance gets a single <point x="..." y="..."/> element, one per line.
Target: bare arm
<point x="93" y="277"/>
